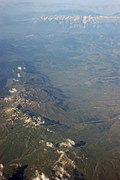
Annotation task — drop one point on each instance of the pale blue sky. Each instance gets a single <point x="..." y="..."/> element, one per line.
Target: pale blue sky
<point x="84" y="2"/>
<point x="107" y="7"/>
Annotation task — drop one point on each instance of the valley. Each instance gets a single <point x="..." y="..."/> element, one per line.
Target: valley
<point x="59" y="96"/>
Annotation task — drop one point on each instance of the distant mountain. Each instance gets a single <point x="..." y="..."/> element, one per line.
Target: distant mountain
<point x="77" y="23"/>
<point x="70" y="12"/>
<point x="116" y="14"/>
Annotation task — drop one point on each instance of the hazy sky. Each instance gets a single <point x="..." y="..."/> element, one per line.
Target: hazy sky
<point x="75" y="2"/>
<point x="107" y="7"/>
<point x="84" y="2"/>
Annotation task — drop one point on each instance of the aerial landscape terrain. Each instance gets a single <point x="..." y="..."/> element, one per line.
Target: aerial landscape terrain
<point x="59" y="90"/>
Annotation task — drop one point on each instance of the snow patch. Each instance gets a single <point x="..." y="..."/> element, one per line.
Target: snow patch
<point x="49" y="144"/>
<point x="67" y="144"/>
<point x="20" y="68"/>
<point x="18" y="75"/>
<point x="13" y="90"/>
<point x="40" y="176"/>
<point x="16" y="80"/>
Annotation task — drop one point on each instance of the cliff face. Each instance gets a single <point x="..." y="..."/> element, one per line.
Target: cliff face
<point x="1" y="172"/>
